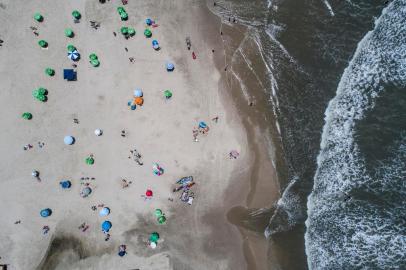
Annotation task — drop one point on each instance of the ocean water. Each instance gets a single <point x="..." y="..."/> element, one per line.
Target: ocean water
<point x="333" y="71"/>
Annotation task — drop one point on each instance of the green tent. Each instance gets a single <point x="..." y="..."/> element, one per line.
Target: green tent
<point x="124" y="30"/>
<point x="50" y="71"/>
<point x="42" y="43"/>
<point x="95" y="62"/>
<point x="131" y="31"/>
<point x="27" y="115"/>
<point x="68" y="32"/>
<point x="38" y="17"/>
<point x="167" y="94"/>
<point x="71" y="48"/>
<point x="161" y="219"/>
<point x="76" y="14"/>
<point x="89" y="161"/>
<point x="154" y="237"/>
<point x="124" y="16"/>
<point x="147" y="33"/>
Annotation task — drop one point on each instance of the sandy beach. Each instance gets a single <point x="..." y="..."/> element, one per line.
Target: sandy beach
<point x="195" y="236"/>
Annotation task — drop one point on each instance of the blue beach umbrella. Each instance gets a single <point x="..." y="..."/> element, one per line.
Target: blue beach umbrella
<point x="104" y="212"/>
<point x="65" y="184"/>
<point x="138" y="93"/>
<point x="155" y="44"/>
<point x="148" y="21"/>
<point x="170" y="66"/>
<point x="73" y="55"/>
<point x="202" y="125"/>
<point x="106" y="226"/>
<point x="45" y="212"/>
<point x="68" y="140"/>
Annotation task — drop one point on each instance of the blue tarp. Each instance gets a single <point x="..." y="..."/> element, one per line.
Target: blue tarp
<point x="69" y="74"/>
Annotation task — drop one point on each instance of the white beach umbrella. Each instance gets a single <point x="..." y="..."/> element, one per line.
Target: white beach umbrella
<point x="98" y="132"/>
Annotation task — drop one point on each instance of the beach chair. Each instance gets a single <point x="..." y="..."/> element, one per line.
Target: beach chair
<point x="188" y="43"/>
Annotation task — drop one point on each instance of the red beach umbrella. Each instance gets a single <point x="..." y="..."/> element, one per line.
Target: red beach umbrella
<point x="148" y="193"/>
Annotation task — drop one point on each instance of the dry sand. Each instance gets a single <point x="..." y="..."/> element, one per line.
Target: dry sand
<point x="194" y="237"/>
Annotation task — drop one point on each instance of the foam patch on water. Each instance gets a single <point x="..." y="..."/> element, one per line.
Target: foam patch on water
<point x="356" y="217"/>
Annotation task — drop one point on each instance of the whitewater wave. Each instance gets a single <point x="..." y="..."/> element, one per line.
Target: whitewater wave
<point x="356" y="215"/>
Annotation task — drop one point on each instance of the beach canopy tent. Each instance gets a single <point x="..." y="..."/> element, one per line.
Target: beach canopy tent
<point x="69" y="74"/>
<point x="155" y="44"/>
<point x="106" y="226"/>
<point x="27" y="116"/>
<point x="68" y="140"/>
<point x="138" y="93"/>
<point x="148" y="33"/>
<point x="65" y="184"/>
<point x="76" y="14"/>
<point x="154" y="237"/>
<point x="98" y="132"/>
<point x="167" y="94"/>
<point x="50" y="71"/>
<point x="170" y="66"/>
<point x="161" y="219"/>
<point x="105" y="211"/>
<point x="45" y="212"/>
<point x="73" y="55"/>
<point x="68" y="32"/>
<point x="38" y="17"/>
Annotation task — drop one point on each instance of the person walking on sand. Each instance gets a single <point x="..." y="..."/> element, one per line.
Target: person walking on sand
<point x="215" y="119"/>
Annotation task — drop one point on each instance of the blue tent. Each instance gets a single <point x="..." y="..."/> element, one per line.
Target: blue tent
<point x="69" y="74"/>
<point x="68" y="140"/>
<point x="45" y="212"/>
<point x="65" y="184"/>
<point x="170" y="66"/>
<point x="106" y="226"/>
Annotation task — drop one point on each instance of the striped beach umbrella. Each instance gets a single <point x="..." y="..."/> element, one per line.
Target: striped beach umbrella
<point x="73" y="55"/>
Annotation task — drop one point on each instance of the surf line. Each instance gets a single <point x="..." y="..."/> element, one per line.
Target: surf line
<point x="330" y="9"/>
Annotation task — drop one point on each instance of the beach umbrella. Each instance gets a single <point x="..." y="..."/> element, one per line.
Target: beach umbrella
<point x="68" y="32"/>
<point x="161" y="219"/>
<point x="167" y="94"/>
<point x="71" y="48"/>
<point x="68" y="140"/>
<point x="131" y="31"/>
<point x="89" y="161"/>
<point x="45" y="212"/>
<point x="121" y="253"/>
<point x="154" y="237"/>
<point x="120" y="10"/>
<point x="202" y="124"/>
<point x="148" y="21"/>
<point x="42" y="43"/>
<point x="65" y="184"/>
<point x="38" y="17"/>
<point x="98" y="132"/>
<point x="170" y="66"/>
<point x="148" y="193"/>
<point x="124" y="30"/>
<point x="105" y="211"/>
<point x="147" y="33"/>
<point x="86" y="192"/>
<point x="138" y="101"/>
<point x="50" y="71"/>
<point x="158" y="212"/>
<point x="73" y="55"/>
<point x="153" y="245"/>
<point x="76" y="14"/>
<point x="155" y="44"/>
<point x="35" y="173"/>
<point x="138" y="93"/>
<point x="106" y="226"/>
<point x="93" y="56"/>
<point x="95" y="62"/>
<point x="27" y="116"/>
<point x="124" y="16"/>
<point x="133" y="107"/>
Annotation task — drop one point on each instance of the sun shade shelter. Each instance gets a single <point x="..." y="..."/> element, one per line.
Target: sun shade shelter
<point x="69" y="74"/>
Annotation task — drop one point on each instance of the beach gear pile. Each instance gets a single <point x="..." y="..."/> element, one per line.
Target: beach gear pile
<point x="185" y="184"/>
<point x="157" y="170"/>
<point x="138" y="99"/>
<point x="40" y="94"/>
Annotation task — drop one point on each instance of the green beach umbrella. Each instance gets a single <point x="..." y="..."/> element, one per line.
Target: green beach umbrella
<point x="95" y="62"/>
<point x="42" y="43"/>
<point x="76" y="14"/>
<point x="27" y="116"/>
<point x="167" y="94"/>
<point x="124" y="16"/>
<point x="71" y="48"/>
<point x="93" y="56"/>
<point x="41" y="98"/>
<point x="89" y="161"/>
<point x="38" y="17"/>
<point x="147" y="33"/>
<point x="131" y="31"/>
<point x="120" y="10"/>
<point x="154" y="237"/>
<point x="124" y="30"/>
<point x="161" y="219"/>
<point x="158" y="212"/>
<point x="50" y="71"/>
<point x="68" y="32"/>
